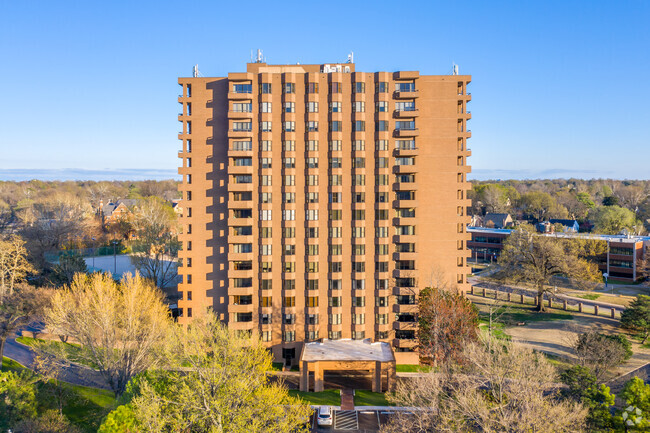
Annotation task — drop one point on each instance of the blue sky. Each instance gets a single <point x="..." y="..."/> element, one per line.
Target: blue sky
<point x="560" y="88"/>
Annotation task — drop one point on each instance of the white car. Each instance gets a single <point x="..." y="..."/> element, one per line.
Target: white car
<point x="324" y="415"/>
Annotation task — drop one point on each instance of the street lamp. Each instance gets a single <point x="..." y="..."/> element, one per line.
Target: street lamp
<point x="94" y="253"/>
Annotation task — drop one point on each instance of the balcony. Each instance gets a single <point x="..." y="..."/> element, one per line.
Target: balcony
<point x="404" y="273"/>
<point x="406" y="239"/>
<point x="240" y="114"/>
<point x="241" y="187"/>
<point x="413" y="151"/>
<point x="402" y="342"/>
<point x="400" y="133"/>
<point x="406" y="75"/>
<point x="240" y="133"/>
<point x="405" y="203"/>
<point x="238" y="222"/>
<point x="406" y="114"/>
<point x="240" y="76"/>
<point x="409" y="94"/>
<point x="466" y="152"/>
<point x="405" y="326"/>
<point x="241" y="169"/>
<point x="406" y="308"/>
<point x="236" y="96"/>
<point x="397" y="169"/>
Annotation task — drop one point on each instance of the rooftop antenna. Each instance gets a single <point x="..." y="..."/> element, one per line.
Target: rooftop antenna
<point x="454" y="69"/>
<point x="259" y="59"/>
<point x="351" y="57"/>
<point x="195" y="72"/>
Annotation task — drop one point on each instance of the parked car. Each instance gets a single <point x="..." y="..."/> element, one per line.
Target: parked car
<point x="324" y="415"/>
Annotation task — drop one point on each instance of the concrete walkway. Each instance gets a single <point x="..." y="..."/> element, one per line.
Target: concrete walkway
<point x="347" y="399"/>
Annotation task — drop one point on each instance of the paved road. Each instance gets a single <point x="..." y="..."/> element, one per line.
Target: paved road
<point x="353" y="421"/>
<point x="74" y="373"/>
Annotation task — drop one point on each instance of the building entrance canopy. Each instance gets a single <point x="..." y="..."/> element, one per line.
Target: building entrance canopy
<point x="347" y="355"/>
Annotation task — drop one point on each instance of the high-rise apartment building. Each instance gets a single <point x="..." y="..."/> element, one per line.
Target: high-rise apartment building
<point x="319" y="200"/>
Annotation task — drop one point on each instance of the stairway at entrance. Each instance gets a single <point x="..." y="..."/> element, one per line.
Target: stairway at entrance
<point x="347" y="399"/>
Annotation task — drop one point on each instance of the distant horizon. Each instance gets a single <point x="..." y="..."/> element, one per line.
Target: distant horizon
<point x="139" y="174"/>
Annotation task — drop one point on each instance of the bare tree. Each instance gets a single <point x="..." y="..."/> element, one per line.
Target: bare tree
<point x="156" y="248"/>
<point x="120" y="326"/>
<point x="14" y="266"/>
<point x="598" y="353"/>
<point x="509" y="388"/>
<point x="534" y="260"/>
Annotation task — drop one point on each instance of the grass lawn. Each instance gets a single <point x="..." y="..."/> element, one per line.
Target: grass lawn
<point x="10" y="364"/>
<point x="412" y="368"/>
<point x="511" y="313"/>
<point x="368" y="398"/>
<point x="589" y="296"/>
<point x="331" y="397"/>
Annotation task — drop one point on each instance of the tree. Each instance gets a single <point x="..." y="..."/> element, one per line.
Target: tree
<point x="225" y="387"/>
<point x="599" y="353"/>
<point x="17" y="397"/>
<point x="541" y="206"/>
<point x="120" y="326"/>
<point x="583" y="388"/>
<point x="534" y="260"/>
<point x="614" y="219"/>
<point x="14" y="266"/>
<point x="69" y="265"/>
<point x="508" y="388"/>
<point x="636" y="393"/>
<point x="636" y="317"/>
<point x="447" y="321"/>
<point x="18" y="309"/>
<point x="156" y="249"/>
<point x="610" y="200"/>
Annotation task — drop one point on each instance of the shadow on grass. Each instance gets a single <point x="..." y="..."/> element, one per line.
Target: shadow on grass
<point x="331" y="397"/>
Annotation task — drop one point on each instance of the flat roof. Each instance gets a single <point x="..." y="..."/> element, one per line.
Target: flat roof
<point x="615" y="238"/>
<point x="347" y="350"/>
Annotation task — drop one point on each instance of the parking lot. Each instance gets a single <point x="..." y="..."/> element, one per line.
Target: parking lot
<point x="361" y="421"/>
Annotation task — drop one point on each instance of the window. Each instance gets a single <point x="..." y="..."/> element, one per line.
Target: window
<point x="288" y="232"/>
<point x="265" y="126"/>
<point x="266" y="301"/>
<point x="289" y="162"/>
<point x="289" y="250"/>
<point x="266" y="267"/>
<point x="311" y="335"/>
<point x="359" y="125"/>
<point x="242" y="126"/>
<point x="312" y="107"/>
<point x="311" y="214"/>
<point x="242" y="248"/>
<point x="289" y="88"/>
<point x="312" y="250"/>
<point x="381" y="266"/>
<point x="335" y="250"/>
<point x="266" y="319"/>
<point x="242" y="213"/>
<point x="242" y="230"/>
<point x="266" y="335"/>
<point x="381" y="319"/>
<point x="335" y="107"/>
<point x="336" y="163"/>
<point x="358" y="319"/>
<point x="358" y="250"/>
<point x="239" y="88"/>
<point x="289" y="266"/>
<point x="242" y="196"/>
<point x="312" y="197"/>
<point x="359" y="145"/>
<point x="243" y="178"/>
<point x="381" y="232"/>
<point x="335" y="267"/>
<point x="381" y="87"/>
<point x="358" y="232"/>
<point x="405" y="248"/>
<point x="335" y="301"/>
<point x="242" y="300"/>
<point x="336" y="125"/>
<point x="335" y="197"/>
<point x="359" y="267"/>
<point x="381" y="106"/>
<point x="289" y="301"/>
<point x="289" y="126"/>
<point x="312" y="284"/>
<point x="358" y="215"/>
<point x="336" y="87"/>
<point x="334" y="319"/>
<point x="404" y="230"/>
<point x="381" y="214"/>
<point x="359" y="179"/>
<point x="289" y="197"/>
<point x="265" y="180"/>
<point x="359" y="197"/>
<point x="336" y="180"/>
<point x="288" y="284"/>
<point x="312" y="162"/>
<point x="266" y="250"/>
<point x="289" y="107"/>
<point x="265" y="146"/>
<point x="405" y="178"/>
<point x="405" y="213"/>
<point x="405" y="87"/>
<point x="336" y="232"/>
<point x="312" y="146"/>
<point x="359" y="107"/>
<point x="335" y="145"/>
<point x="381" y="179"/>
<point x="289" y="215"/>
<point x="381" y="125"/>
<point x="381" y="145"/>
<point x="265" y="88"/>
<point x="405" y="106"/>
<point x="405" y="124"/>
<point x="289" y="336"/>
<point x="312" y="126"/>
<point x="404" y="161"/>
<point x="336" y="214"/>
<point x="359" y="87"/>
<point x="311" y="232"/>
<point x="358" y="301"/>
<point x="265" y="162"/>
<point x="243" y="317"/>
<point x="239" y="107"/>
<point x="335" y="284"/>
<point x="405" y="195"/>
<point x="289" y="180"/>
<point x="242" y="265"/>
<point x="265" y="107"/>
<point x="265" y="197"/>
<point x="358" y="162"/>
<point x="312" y="88"/>
<point x="289" y="146"/>
<point x="334" y="335"/>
